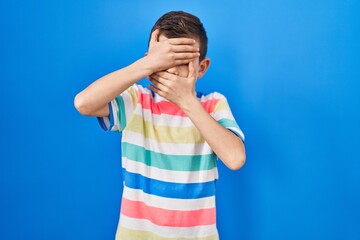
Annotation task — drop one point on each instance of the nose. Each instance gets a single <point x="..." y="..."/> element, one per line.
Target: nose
<point x="173" y="70"/>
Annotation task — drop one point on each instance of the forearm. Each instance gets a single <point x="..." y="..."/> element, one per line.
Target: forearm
<point x="102" y="91"/>
<point x="162" y="55"/>
<point x="227" y="146"/>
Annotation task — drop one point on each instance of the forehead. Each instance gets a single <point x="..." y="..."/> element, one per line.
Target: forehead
<point x="162" y="37"/>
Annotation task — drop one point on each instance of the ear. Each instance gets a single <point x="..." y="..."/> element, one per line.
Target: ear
<point x="203" y="67"/>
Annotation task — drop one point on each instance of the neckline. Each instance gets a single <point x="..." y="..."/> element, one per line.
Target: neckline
<point x="159" y="98"/>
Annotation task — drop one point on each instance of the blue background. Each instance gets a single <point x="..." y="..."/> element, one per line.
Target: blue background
<point x="291" y="73"/>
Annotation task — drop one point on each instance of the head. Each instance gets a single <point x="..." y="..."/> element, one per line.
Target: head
<point x="178" y="24"/>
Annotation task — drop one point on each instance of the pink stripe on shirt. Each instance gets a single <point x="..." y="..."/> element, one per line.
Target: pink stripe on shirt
<point x="170" y="218"/>
<point x="165" y="107"/>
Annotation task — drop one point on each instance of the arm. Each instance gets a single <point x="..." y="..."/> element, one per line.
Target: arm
<point x="227" y="146"/>
<point x="93" y="100"/>
<point x="181" y="91"/>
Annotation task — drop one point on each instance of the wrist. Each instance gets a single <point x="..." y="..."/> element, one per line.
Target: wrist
<point x="189" y="103"/>
<point x="147" y="65"/>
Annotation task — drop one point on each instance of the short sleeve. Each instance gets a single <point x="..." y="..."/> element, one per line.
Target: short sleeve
<point x="121" y="109"/>
<point x="223" y="115"/>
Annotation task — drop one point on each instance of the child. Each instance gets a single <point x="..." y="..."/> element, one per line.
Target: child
<point x="171" y="134"/>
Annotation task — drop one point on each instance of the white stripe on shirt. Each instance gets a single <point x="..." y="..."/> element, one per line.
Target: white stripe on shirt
<point x="168" y="175"/>
<point x="168" y="203"/>
<point x="189" y="149"/>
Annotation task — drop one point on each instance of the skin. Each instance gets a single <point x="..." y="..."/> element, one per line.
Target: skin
<point x="173" y="67"/>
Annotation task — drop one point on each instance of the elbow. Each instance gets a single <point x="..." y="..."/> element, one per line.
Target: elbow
<point x="236" y="156"/>
<point x="237" y="162"/>
<point x="237" y="159"/>
<point x="80" y="105"/>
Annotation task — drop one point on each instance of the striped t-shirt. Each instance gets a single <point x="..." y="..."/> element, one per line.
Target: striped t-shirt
<point x="169" y="171"/>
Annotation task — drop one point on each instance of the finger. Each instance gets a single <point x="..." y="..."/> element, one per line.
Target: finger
<point x="165" y="77"/>
<point x="185" y="48"/>
<point x="155" y="36"/>
<point x="160" y="86"/>
<point x="179" y="41"/>
<point x="181" y="56"/>
<point x="154" y="89"/>
<point x="182" y="62"/>
<point x="158" y="91"/>
<point x="157" y="80"/>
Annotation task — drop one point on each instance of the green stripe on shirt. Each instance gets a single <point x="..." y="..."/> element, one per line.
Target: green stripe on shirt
<point x="168" y="161"/>
<point x="228" y="123"/>
<point x="121" y="113"/>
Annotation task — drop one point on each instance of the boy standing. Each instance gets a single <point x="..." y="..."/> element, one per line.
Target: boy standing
<point x="171" y="135"/>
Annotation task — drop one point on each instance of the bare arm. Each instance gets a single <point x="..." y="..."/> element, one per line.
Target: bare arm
<point x="93" y="100"/>
<point x="181" y="91"/>
<point x="227" y="146"/>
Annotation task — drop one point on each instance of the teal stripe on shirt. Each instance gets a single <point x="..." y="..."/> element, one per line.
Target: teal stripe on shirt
<point x="168" y="161"/>
<point x="228" y="123"/>
<point x="232" y="126"/>
<point x="121" y="113"/>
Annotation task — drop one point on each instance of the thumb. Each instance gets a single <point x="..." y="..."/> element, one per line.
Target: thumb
<point x="192" y="73"/>
<point x="154" y="36"/>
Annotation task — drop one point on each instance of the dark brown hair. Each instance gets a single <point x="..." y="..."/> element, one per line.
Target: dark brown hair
<point x="181" y="24"/>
